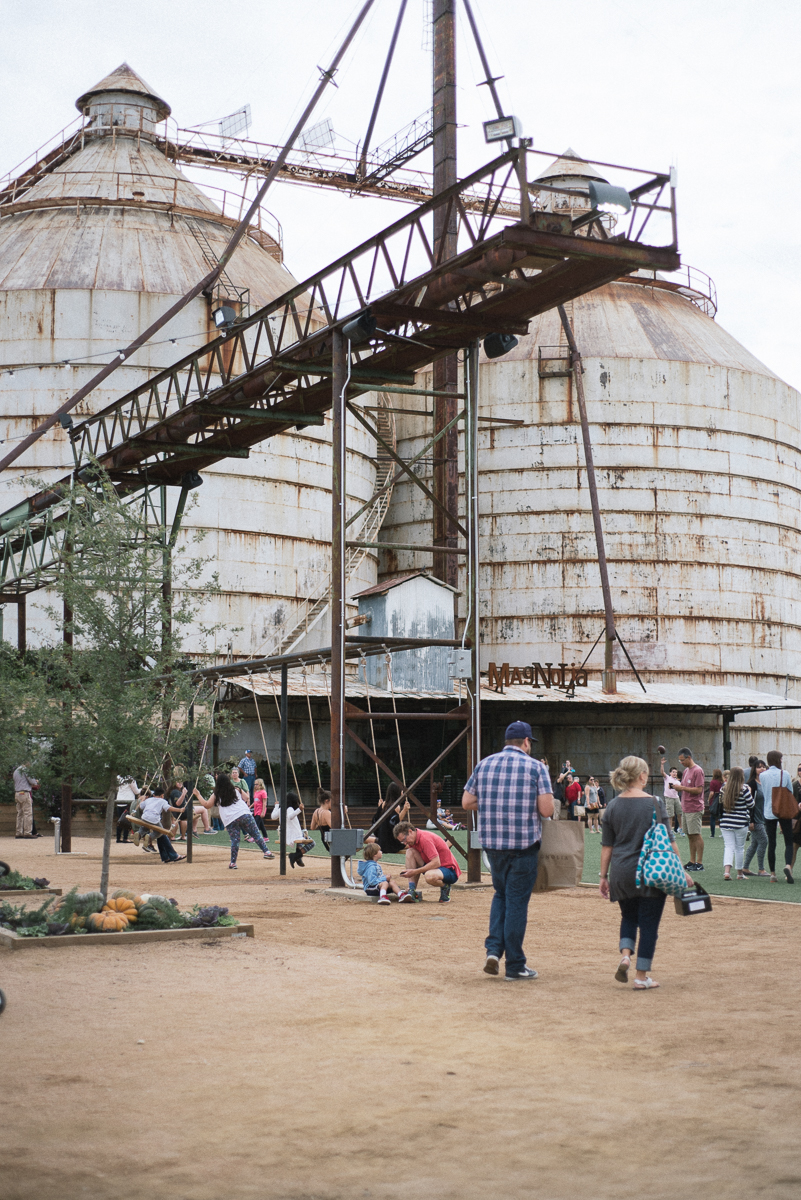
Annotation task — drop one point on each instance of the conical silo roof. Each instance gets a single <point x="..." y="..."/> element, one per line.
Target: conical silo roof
<point x="570" y="165"/>
<point x="124" y="79"/>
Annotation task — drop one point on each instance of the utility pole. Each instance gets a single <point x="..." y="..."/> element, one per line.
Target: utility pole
<point x="446" y="462"/>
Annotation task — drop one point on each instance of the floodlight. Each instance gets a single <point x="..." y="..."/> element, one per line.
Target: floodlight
<point x="498" y="344"/>
<point x="360" y="329"/>
<point x="224" y="316"/>
<point x="191" y="480"/>
<point x="502" y="128"/>
<point x="607" y="198"/>
<point x="65" y="421"/>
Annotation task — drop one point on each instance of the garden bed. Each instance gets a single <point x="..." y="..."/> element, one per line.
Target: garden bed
<point x="124" y="916"/>
<point x="12" y="941"/>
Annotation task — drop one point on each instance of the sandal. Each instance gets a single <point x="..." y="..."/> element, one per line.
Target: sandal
<point x="643" y="985"/>
<point x="727" y="878"/>
<point x="622" y="972"/>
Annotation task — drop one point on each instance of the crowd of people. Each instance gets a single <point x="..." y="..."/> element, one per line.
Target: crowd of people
<point x="512" y="794"/>
<point x="233" y="801"/>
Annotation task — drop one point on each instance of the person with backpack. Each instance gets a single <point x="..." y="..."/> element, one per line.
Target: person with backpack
<point x="776" y="784"/>
<point x="628" y="818"/>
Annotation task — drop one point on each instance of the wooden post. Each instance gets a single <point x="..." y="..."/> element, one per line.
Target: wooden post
<point x="107" y="832"/>
<point x="284" y="780"/>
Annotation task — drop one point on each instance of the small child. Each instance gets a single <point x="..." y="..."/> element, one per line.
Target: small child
<point x="374" y="881"/>
<point x="260" y="805"/>
<point x="294" y="833"/>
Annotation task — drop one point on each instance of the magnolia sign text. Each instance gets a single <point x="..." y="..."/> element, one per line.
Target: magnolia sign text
<point x="558" y="675"/>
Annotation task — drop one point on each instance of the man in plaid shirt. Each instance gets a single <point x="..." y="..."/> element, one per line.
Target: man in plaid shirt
<point x="512" y="794"/>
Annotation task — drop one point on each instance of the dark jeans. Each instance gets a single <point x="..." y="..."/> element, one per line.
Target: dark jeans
<point x="166" y="849"/>
<point x="712" y="821"/>
<point x="514" y="873"/>
<point x="260" y="825"/>
<point x="787" y="832"/>
<point x="645" y="913"/>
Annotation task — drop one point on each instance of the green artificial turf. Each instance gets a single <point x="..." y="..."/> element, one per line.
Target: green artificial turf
<point x="711" y="878"/>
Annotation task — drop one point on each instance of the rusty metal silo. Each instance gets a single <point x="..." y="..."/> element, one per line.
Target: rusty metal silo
<point x="697" y="455"/>
<point x="92" y="249"/>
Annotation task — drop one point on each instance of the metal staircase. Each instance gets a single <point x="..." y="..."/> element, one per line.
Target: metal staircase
<point x="314" y="607"/>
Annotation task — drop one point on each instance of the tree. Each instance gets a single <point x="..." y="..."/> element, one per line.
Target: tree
<point x="113" y="698"/>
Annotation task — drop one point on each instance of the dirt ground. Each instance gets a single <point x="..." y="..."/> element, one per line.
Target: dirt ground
<point x="356" y="1051"/>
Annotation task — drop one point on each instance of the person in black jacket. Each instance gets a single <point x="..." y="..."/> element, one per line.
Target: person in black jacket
<point x="385" y="834"/>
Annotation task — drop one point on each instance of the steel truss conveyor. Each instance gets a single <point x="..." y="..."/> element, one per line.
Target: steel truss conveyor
<point x="273" y="371"/>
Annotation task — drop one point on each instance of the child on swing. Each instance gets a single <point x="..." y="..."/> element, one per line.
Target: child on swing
<point x="294" y="834"/>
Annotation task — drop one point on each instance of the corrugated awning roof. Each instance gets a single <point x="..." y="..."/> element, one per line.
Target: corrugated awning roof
<point x="677" y="696"/>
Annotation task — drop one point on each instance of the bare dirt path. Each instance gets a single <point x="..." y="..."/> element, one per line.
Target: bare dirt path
<point x="353" y="1051"/>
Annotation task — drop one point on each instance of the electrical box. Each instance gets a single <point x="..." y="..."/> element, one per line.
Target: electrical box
<point x="460" y="664"/>
<point x="346" y="842"/>
<point x="475" y="840"/>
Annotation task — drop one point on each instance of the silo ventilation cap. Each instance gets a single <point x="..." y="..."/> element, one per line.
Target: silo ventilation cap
<point x="124" y="79"/>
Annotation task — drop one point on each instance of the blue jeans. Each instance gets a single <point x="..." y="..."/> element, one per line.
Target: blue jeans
<point x="514" y="873"/>
<point x="166" y="849"/>
<point x="644" y="912"/>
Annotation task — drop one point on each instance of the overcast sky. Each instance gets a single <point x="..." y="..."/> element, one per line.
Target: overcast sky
<point x="711" y="87"/>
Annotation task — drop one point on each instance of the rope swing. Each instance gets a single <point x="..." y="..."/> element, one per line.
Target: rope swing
<point x="263" y="739"/>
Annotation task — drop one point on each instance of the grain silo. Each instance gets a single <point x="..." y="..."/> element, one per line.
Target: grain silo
<point x="92" y="250"/>
<point x="698" y="463"/>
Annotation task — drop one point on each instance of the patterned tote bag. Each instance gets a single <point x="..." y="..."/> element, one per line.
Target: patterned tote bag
<point x="659" y="866"/>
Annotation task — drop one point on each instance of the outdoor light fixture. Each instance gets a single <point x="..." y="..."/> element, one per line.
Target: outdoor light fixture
<point x="191" y="480"/>
<point x="607" y="198"/>
<point x="224" y="316"/>
<point x="360" y="329"/>
<point x="498" y="344"/>
<point x="65" y="421"/>
<point x="502" y="128"/>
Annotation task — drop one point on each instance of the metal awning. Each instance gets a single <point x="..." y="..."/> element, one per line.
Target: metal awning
<point x="675" y="696"/>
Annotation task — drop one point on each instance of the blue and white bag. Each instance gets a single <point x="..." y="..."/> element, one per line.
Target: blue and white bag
<point x="659" y="866"/>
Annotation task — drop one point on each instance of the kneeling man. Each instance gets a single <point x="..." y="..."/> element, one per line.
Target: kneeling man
<point x="429" y="858"/>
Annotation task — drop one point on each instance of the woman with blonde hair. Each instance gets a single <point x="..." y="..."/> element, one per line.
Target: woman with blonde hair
<point x="737" y="806"/>
<point x="627" y="819"/>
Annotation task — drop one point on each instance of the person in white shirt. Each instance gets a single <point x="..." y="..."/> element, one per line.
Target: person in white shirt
<point x="294" y="834"/>
<point x="127" y="793"/>
<point x="151" y="810"/>
<point x="673" y="799"/>
<point x="236" y="816"/>
<point x="775" y="777"/>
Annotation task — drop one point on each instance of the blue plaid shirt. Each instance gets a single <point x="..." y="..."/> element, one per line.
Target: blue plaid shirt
<point x="507" y="785"/>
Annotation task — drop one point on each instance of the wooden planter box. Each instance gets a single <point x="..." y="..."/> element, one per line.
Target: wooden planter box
<point x="12" y="941"/>
<point x="15" y="894"/>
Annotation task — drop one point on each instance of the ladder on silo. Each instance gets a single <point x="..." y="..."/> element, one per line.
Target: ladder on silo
<point x="225" y="285"/>
<point x="315" y="606"/>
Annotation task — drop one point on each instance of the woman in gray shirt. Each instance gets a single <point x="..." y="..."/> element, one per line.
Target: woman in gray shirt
<point x="627" y="819"/>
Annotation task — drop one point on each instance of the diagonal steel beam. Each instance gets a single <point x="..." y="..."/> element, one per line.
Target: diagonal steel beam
<point x="407" y="470"/>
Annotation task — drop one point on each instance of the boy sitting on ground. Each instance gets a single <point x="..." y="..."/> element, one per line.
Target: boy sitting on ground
<point x="374" y="881"/>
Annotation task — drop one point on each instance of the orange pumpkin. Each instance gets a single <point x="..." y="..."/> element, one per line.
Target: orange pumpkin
<point x="121" y="904"/>
<point x="107" y="922"/>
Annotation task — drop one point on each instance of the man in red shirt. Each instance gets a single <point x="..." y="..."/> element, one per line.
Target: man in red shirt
<point x="692" y="808"/>
<point x="428" y="857"/>
<point x="572" y="797"/>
